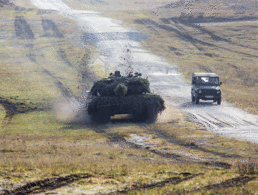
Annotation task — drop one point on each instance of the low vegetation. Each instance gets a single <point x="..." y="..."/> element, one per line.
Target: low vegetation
<point x="111" y="162"/>
<point x="40" y="154"/>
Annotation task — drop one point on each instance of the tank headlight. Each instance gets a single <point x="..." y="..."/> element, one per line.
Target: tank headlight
<point x="200" y="91"/>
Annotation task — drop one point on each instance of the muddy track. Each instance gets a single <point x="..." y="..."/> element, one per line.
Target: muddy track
<point x="23" y="31"/>
<point x="124" y="144"/>
<point x="169" y="181"/>
<point x="186" y="36"/>
<point x="48" y="26"/>
<point x="176" y="141"/>
<point x="45" y="185"/>
<point x="65" y="92"/>
<point x="114" y="140"/>
<point x="51" y="30"/>
<point x="235" y="182"/>
<point x="11" y="108"/>
<point x="32" y="56"/>
<point x="22" y="28"/>
<point x="212" y="19"/>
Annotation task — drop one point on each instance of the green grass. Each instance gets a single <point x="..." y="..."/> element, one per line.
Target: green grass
<point x="34" y="145"/>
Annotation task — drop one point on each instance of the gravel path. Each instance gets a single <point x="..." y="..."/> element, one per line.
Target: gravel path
<point x="119" y="49"/>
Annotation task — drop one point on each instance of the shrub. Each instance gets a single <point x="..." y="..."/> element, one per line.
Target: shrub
<point x="246" y="167"/>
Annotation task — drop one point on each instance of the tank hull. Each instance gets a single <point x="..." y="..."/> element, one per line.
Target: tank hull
<point x="143" y="107"/>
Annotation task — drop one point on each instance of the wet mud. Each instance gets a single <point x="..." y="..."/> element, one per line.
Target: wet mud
<point x="116" y="140"/>
<point x="22" y="28"/>
<point x="45" y="185"/>
<point x="174" y="140"/>
<point x="211" y="19"/>
<point x="235" y="182"/>
<point x="4" y="3"/>
<point x="31" y="55"/>
<point x="169" y="181"/>
<point x="11" y="108"/>
<point x="63" y="56"/>
<point x="50" y="29"/>
<point x="65" y="92"/>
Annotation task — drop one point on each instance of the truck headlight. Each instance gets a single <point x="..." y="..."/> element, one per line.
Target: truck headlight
<point x="218" y="92"/>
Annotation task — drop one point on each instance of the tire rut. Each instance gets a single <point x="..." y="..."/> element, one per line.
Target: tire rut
<point x="11" y="108"/>
<point x="174" y="140"/>
<point x="65" y="92"/>
<point x="45" y="184"/>
<point x="184" y="35"/>
<point x="169" y="181"/>
<point x="48" y="25"/>
<point x="23" y="31"/>
<point x="124" y="144"/>
<point x="234" y="182"/>
<point x="22" y="28"/>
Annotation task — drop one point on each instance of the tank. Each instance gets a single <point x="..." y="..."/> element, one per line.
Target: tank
<point x="129" y="94"/>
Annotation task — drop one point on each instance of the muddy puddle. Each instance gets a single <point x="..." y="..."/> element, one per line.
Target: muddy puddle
<point x="140" y="140"/>
<point x="13" y="106"/>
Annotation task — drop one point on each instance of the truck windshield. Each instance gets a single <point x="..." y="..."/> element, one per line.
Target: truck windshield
<point x="207" y="80"/>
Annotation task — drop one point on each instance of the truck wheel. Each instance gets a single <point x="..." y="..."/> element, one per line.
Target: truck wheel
<point x="219" y="101"/>
<point x="196" y="100"/>
<point x="193" y="98"/>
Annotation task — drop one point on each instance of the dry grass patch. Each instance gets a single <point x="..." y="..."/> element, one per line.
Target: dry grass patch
<point x="249" y="166"/>
<point x="118" y="165"/>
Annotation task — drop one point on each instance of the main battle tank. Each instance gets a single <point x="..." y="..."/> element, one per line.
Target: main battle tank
<point x="124" y="95"/>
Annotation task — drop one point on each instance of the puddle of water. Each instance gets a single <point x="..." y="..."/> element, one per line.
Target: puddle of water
<point x="139" y="140"/>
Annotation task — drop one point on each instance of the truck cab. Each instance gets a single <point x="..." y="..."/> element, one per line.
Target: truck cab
<point x="206" y="86"/>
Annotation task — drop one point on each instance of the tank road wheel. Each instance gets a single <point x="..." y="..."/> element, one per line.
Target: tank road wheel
<point x="193" y="98"/>
<point x="197" y="100"/>
<point x="219" y="101"/>
<point x="102" y="116"/>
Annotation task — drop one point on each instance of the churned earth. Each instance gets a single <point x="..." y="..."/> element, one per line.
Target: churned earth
<point x="120" y="49"/>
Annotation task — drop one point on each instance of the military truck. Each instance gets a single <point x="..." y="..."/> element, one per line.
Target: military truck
<point x="129" y="94"/>
<point x="206" y="86"/>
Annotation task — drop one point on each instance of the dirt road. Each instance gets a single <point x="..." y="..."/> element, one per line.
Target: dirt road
<point x="119" y="49"/>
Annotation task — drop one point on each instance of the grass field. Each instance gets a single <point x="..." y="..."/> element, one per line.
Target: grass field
<point x="41" y="154"/>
